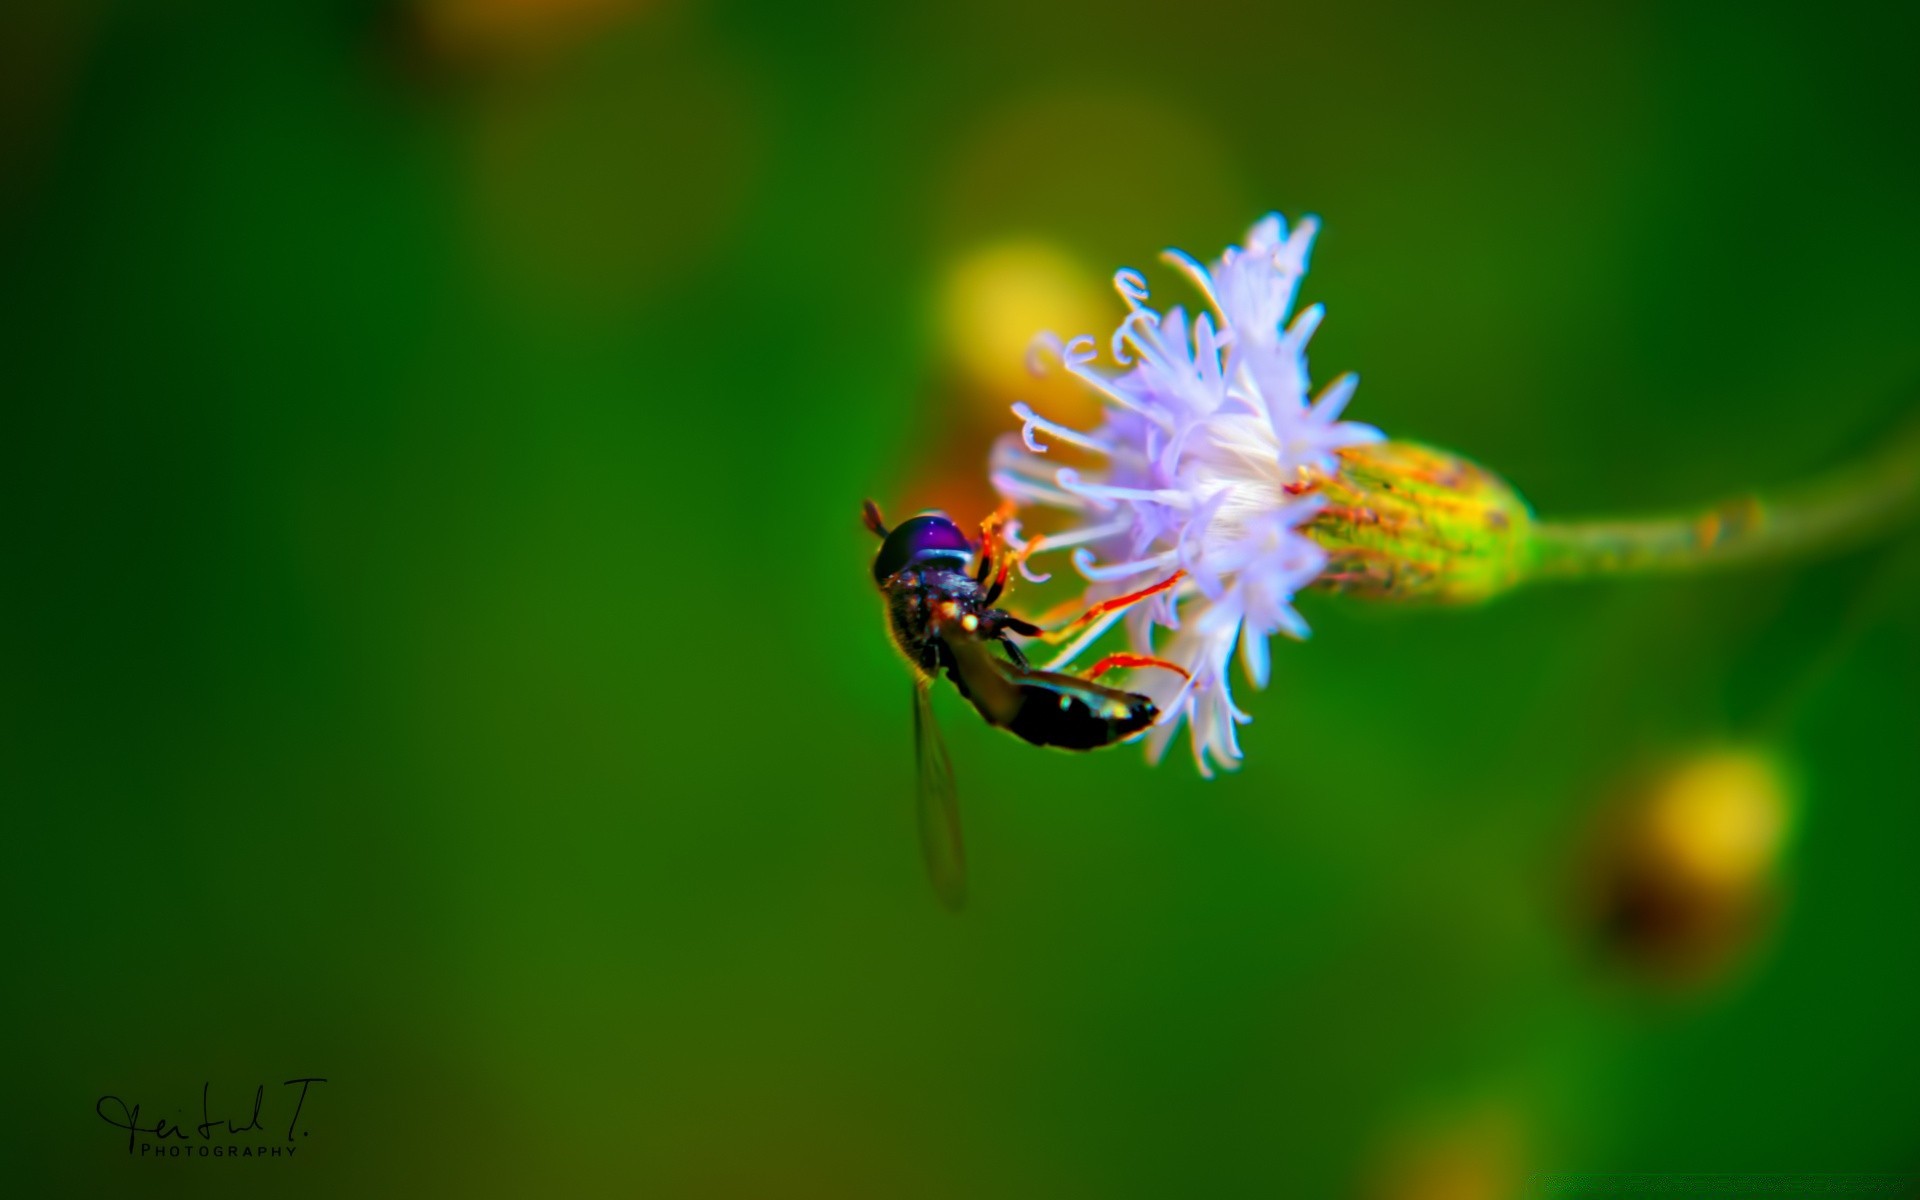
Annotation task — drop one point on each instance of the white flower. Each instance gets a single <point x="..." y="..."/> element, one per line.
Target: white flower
<point x="1206" y="425"/>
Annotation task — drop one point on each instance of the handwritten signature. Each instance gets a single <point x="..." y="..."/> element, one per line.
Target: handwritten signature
<point x="128" y="1118"/>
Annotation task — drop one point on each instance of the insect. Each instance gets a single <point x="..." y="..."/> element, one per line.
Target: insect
<point x="941" y="609"/>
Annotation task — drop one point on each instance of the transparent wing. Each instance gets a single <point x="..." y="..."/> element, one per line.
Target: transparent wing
<point x="992" y="683"/>
<point x="939" y="804"/>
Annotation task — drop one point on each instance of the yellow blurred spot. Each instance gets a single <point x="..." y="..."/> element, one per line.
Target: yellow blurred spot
<point x="1720" y="819"/>
<point x="993" y="303"/>
<point x="485" y="31"/>
<point x="1685" y="868"/>
<point x="1471" y="1155"/>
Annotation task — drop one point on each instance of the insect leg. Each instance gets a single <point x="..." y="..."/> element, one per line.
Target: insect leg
<point x="1007" y="563"/>
<point x="1112" y="661"/>
<point x="1105" y="607"/>
<point x="999" y="584"/>
<point x="1015" y="653"/>
<point x="1023" y="628"/>
<point x="1090" y="625"/>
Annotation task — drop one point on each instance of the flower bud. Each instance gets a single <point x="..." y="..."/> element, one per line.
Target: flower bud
<point x="1407" y="522"/>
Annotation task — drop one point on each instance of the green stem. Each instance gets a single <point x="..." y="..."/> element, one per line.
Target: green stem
<point x="1827" y="515"/>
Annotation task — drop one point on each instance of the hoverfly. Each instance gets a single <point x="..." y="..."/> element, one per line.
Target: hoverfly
<point x="941" y="609"/>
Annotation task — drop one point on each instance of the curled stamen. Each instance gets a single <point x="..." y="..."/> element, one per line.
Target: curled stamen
<point x="1044" y="342"/>
<point x="1120" y="398"/>
<point x="1083" y="562"/>
<point x="1022" y="551"/>
<point x="1079" y="537"/>
<point x="1016" y="488"/>
<point x="1032" y="421"/>
<point x="1078" y="352"/>
<point x="1117" y="344"/>
<point x="1020" y="565"/>
<point x="1131" y="285"/>
<point x="1077" y="357"/>
<point x="1141" y="329"/>
<point x="1069" y="480"/>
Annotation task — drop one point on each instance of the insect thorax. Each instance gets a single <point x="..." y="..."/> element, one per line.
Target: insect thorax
<point x="912" y="599"/>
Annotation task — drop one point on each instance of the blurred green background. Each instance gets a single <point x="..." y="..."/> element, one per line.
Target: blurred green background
<point x="439" y="653"/>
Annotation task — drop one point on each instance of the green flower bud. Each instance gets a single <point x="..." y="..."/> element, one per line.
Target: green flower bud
<point x="1406" y="522"/>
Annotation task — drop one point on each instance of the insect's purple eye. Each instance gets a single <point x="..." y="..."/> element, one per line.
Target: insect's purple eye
<point x="925" y="540"/>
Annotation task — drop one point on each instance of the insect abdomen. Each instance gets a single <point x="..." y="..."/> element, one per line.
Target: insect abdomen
<point x="1079" y="718"/>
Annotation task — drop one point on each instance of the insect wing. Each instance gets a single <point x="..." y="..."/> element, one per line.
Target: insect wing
<point x="991" y="682"/>
<point x="1093" y="695"/>
<point x="939" y="804"/>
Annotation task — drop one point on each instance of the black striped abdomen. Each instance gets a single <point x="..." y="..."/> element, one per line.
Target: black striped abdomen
<point x="1077" y="715"/>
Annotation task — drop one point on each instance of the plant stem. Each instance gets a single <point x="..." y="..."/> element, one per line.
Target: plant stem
<point x="1824" y="516"/>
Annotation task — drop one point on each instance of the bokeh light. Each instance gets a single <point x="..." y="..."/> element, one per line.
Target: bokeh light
<point x="1686" y="863"/>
